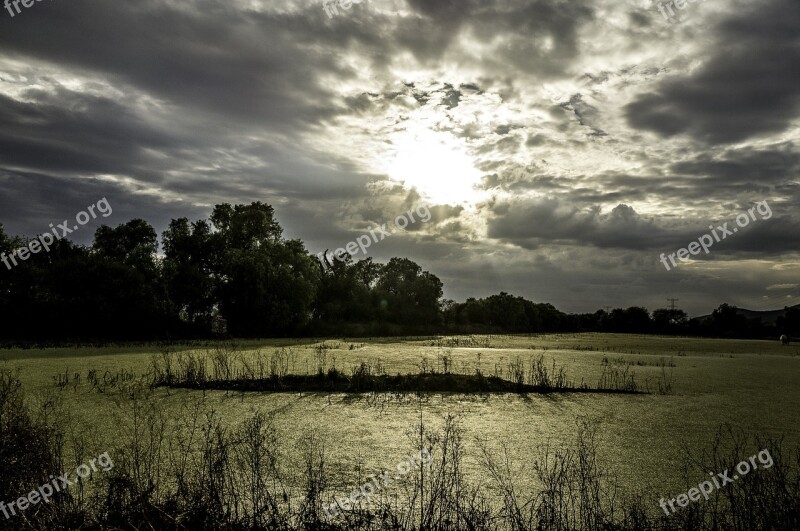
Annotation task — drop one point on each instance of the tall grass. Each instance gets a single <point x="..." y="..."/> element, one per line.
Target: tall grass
<point x="228" y="368"/>
<point x="198" y="471"/>
<point x="618" y="374"/>
<point x="32" y="447"/>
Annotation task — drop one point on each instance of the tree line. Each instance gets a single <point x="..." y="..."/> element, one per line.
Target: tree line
<point x="235" y="274"/>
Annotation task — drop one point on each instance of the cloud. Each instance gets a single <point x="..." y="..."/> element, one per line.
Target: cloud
<point x="170" y="107"/>
<point x="550" y="220"/>
<point x="747" y="87"/>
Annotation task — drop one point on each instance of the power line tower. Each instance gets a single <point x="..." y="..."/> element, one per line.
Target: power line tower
<point x="672" y="303"/>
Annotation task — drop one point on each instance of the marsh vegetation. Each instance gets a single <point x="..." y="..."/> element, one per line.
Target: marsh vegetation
<point x="199" y="458"/>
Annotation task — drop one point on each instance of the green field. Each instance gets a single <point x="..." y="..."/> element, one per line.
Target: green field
<point x="750" y="384"/>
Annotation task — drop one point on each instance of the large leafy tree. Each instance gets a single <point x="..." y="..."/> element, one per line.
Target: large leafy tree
<point x="265" y="284"/>
<point x="408" y="295"/>
<point x="669" y="320"/>
<point x="133" y="243"/>
<point x="344" y="293"/>
<point x="509" y="312"/>
<point x="633" y="320"/>
<point x="505" y="312"/>
<point x="726" y="321"/>
<point x="789" y="322"/>
<point x="190" y="255"/>
<point x="110" y="291"/>
<point x="129" y="293"/>
<point x="246" y="227"/>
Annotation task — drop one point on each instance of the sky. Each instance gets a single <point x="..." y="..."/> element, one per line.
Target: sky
<point x="561" y="145"/>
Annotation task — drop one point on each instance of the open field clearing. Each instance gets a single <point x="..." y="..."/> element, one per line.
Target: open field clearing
<point x="749" y="384"/>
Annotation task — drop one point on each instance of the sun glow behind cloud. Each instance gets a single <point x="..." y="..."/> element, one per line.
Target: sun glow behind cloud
<point x="436" y="165"/>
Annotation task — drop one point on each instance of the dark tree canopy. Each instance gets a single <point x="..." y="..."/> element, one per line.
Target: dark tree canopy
<point x="238" y="266"/>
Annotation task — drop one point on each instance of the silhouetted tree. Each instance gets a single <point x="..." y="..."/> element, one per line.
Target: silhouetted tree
<point x="666" y="321"/>
<point x="727" y="322"/>
<point x="127" y="292"/>
<point x="190" y="255"/>
<point x="789" y="322"/>
<point x="635" y="320"/>
<point x="345" y="291"/>
<point x="408" y="295"/>
<point x="266" y="285"/>
<point x="238" y="263"/>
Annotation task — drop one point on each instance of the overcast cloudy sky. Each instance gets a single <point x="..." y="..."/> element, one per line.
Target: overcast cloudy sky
<point x="565" y="144"/>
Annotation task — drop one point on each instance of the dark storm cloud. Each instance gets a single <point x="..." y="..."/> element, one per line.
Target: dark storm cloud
<point x="542" y="220"/>
<point x="749" y="86"/>
<point x="535" y="140"/>
<point x="429" y="35"/>
<point x="217" y="80"/>
<point x="540" y="36"/>
<point x="748" y="165"/>
<point x="442" y="213"/>
<point x="764" y="236"/>
<point x="452" y="11"/>
<point x="213" y="58"/>
<point x="32" y="201"/>
<point x="732" y="177"/>
<point x="69" y="132"/>
<point x="550" y="220"/>
<point x="149" y="101"/>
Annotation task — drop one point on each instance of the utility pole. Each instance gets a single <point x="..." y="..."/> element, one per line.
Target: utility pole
<point x="672" y="301"/>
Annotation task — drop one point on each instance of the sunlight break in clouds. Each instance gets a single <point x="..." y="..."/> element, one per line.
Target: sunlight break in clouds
<point x="436" y="165"/>
<point x="559" y="111"/>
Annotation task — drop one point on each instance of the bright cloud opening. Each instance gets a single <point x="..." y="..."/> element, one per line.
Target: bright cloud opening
<point x="436" y="165"/>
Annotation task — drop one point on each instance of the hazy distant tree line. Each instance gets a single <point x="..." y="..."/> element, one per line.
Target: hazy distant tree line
<point x="238" y="266"/>
<point x="506" y="313"/>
